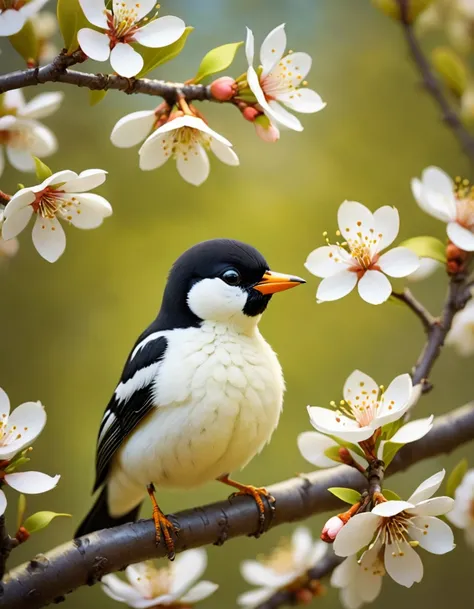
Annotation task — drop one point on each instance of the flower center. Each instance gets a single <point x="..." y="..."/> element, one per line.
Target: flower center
<point x="363" y="406"/>
<point x="394" y="530"/>
<point x="183" y="142"/>
<point x="156" y="581"/>
<point x="50" y="203"/>
<point x="9" y="435"/>
<point x="121" y="23"/>
<point x="281" y="559"/>
<point x="464" y="193"/>
<point x="286" y="77"/>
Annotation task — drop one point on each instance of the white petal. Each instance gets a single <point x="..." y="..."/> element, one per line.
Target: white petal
<point x="4" y="406"/>
<point x="280" y="115"/>
<point x="413" y="431"/>
<point x="153" y="154"/>
<point x="11" y="22"/>
<point x="337" y="286"/>
<point x="302" y="100"/>
<point x="350" y="598"/>
<point x="312" y="445"/>
<point x="253" y="598"/>
<point x="345" y="573"/>
<point x="194" y="167"/>
<point x="224" y="153"/>
<point x="20" y="159"/>
<point x="427" y="267"/>
<point x="94" y="10"/>
<point x="2" y="161"/>
<point x="30" y="9"/>
<point x="14" y="99"/>
<point x="199" y="592"/>
<point x="387" y="224"/>
<point x="288" y="75"/>
<point x="94" y="44"/>
<point x="85" y="181"/>
<point x="3" y="503"/>
<point x="16" y="222"/>
<point x="42" y="105"/>
<point x="391" y="508"/>
<point x="459" y="515"/>
<point x="436" y="506"/>
<point x="260" y="575"/>
<point x="460" y="236"/>
<point x="356" y="534"/>
<point x="403" y="564"/>
<point x="142" y="8"/>
<point x="117" y="589"/>
<point x="189" y="121"/>
<point x="187" y="569"/>
<point x="317" y="553"/>
<point x="437" y="180"/>
<point x="302" y="544"/>
<point x="49" y="238"/>
<point x="125" y="60"/>
<point x="272" y="49"/>
<point x="42" y="141"/>
<point x="358" y="382"/>
<point x="29" y="419"/>
<point x="133" y="128"/>
<point x="399" y="392"/>
<point x="374" y="287"/>
<point x="353" y="218"/>
<point x="433" y="534"/>
<point x="399" y="262"/>
<point x="435" y="194"/>
<point x="31" y="483"/>
<point x="91" y="212"/>
<point x="55" y="179"/>
<point x="329" y="422"/>
<point x="322" y="261"/>
<point x="250" y="46"/>
<point x="160" y="32"/>
<point x="427" y="488"/>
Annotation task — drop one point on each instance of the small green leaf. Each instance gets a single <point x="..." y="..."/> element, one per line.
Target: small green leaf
<point x="427" y="247"/>
<point x="152" y="58"/>
<point x="71" y="19"/>
<point x="390" y="449"/>
<point x="217" y="60"/>
<point x="390" y="495"/>
<point x="455" y="477"/>
<point x="333" y="453"/>
<point x="25" y="42"/>
<point x="348" y="495"/>
<point x="42" y="170"/>
<point x="451" y="69"/>
<point x="20" y="186"/>
<point x="20" y="510"/>
<point x="353" y="447"/>
<point x="41" y="520"/>
<point x="95" y="97"/>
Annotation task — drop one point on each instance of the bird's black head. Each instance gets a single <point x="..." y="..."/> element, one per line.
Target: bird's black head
<point x="221" y="280"/>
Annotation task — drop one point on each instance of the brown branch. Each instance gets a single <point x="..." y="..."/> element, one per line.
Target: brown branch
<point x="49" y="577"/>
<point x="7" y="544"/>
<point x="4" y="198"/>
<point x="432" y="84"/>
<point x="418" y="309"/>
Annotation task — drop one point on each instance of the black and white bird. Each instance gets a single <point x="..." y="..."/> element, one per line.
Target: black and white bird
<point x="201" y="392"/>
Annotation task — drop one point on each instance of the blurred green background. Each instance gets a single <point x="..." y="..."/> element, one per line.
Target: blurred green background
<point x="68" y="327"/>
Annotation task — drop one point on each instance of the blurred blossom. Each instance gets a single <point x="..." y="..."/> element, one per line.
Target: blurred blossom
<point x="357" y="261"/>
<point x="8" y="249"/>
<point x="451" y="202"/>
<point x="281" y="79"/>
<point x="21" y="133"/>
<point x="454" y="17"/>
<point x="285" y="566"/>
<point x="461" y="335"/>
<point x="61" y="196"/>
<point x="13" y="14"/>
<point x="427" y="267"/>
<point x="394" y="528"/>
<point x="18" y="431"/>
<point x="124" y="24"/>
<point x="171" y="586"/>
<point x="45" y="26"/>
<point x="462" y="515"/>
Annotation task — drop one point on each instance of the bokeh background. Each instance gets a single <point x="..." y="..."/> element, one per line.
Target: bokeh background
<point x="67" y="328"/>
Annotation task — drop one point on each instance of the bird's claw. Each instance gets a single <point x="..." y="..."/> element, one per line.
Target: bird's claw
<point x="164" y="528"/>
<point x="258" y="493"/>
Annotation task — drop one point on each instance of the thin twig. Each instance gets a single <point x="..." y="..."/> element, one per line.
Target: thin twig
<point x="418" y="309"/>
<point x="49" y="577"/>
<point x="7" y="544"/>
<point x="4" y="198"/>
<point x="433" y="85"/>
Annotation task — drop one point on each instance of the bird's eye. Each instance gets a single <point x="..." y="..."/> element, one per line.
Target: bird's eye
<point x="231" y="276"/>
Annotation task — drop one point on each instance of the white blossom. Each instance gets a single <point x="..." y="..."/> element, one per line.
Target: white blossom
<point x="313" y="446"/>
<point x="20" y="132"/>
<point x="427" y="267"/>
<point x="286" y="565"/>
<point x="280" y="80"/>
<point x="358" y="261"/>
<point x="461" y="335"/>
<point x="15" y="13"/>
<point x="8" y="249"/>
<point x="125" y="23"/>
<point x="171" y="586"/>
<point x="394" y="528"/>
<point x="61" y="196"/>
<point x="45" y="26"/>
<point x="18" y="431"/>
<point x="462" y="515"/>
<point x="453" y="203"/>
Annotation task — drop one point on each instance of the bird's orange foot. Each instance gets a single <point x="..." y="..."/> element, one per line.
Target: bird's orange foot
<point x="164" y="528"/>
<point x="257" y="493"/>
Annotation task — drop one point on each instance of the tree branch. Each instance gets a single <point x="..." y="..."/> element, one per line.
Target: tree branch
<point x="432" y="84"/>
<point x="418" y="309"/>
<point x="7" y="544"/>
<point x="49" y="577"/>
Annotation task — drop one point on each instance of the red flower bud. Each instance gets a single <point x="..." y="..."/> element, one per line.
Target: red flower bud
<point x="250" y="114"/>
<point x="223" y="88"/>
<point x="331" y="529"/>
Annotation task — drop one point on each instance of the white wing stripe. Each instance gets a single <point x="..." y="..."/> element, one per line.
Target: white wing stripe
<point x="145" y="341"/>
<point x="139" y="380"/>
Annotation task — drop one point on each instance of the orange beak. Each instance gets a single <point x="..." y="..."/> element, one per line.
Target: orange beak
<point x="277" y="282"/>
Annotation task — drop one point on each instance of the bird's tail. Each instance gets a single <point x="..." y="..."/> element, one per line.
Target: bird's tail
<point x="99" y="518"/>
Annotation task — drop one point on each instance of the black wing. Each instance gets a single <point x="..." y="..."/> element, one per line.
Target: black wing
<point x="131" y="402"/>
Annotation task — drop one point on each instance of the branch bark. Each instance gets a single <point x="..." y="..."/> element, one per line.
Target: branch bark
<point x="418" y="309"/>
<point x="49" y="577"/>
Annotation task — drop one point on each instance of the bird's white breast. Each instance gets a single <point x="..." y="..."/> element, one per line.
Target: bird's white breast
<point x="218" y="396"/>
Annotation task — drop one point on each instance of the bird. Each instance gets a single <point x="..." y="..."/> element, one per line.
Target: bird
<point x="201" y="391"/>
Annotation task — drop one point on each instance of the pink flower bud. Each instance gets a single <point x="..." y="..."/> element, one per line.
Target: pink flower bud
<point x="331" y="529"/>
<point x="250" y="114"/>
<point x="223" y="88"/>
<point x="268" y="134"/>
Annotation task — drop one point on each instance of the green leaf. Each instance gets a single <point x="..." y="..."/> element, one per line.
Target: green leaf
<point x="427" y="247"/>
<point x="333" y="453"/>
<point x="354" y="447"/>
<point x="455" y="477"/>
<point x="71" y="19"/>
<point x="451" y="69"/>
<point x="217" y="60"/>
<point x="391" y="495"/>
<point x="390" y="449"/>
<point x="348" y="495"/>
<point x="20" y="510"/>
<point x="42" y="170"/>
<point x="95" y="97"/>
<point x="152" y="58"/>
<point x="26" y="43"/>
<point x="41" y="520"/>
